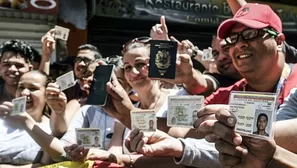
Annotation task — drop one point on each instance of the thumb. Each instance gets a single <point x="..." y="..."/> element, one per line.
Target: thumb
<point x="184" y="58"/>
<point x="226" y="117"/>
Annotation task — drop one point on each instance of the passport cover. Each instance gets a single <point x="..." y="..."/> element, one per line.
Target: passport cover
<point x="162" y="59"/>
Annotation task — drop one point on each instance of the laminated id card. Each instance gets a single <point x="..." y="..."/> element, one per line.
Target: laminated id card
<point x="255" y="113"/>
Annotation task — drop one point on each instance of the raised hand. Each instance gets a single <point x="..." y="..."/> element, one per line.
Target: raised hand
<point x="48" y="43"/>
<point x="160" y="31"/>
<point x="55" y="98"/>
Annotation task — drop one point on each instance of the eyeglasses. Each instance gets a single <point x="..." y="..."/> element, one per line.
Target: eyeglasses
<point x="142" y="40"/>
<point x="84" y="59"/>
<point x="249" y="34"/>
<point x="138" y="66"/>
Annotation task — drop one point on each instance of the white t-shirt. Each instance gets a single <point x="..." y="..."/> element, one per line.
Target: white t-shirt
<point x="17" y="146"/>
<point x="90" y="117"/>
<point x="162" y="113"/>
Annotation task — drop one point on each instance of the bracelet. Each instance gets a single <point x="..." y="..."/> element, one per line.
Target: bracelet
<point x="131" y="161"/>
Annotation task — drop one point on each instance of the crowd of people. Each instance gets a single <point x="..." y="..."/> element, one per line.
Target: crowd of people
<point x="249" y="54"/>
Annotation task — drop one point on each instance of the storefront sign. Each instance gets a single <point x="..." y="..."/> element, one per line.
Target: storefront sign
<point x="202" y="12"/>
<point x="33" y="6"/>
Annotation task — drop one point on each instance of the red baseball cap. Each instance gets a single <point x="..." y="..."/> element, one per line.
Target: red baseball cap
<point x="253" y="15"/>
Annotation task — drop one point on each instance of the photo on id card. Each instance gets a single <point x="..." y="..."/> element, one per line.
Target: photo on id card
<point x="255" y="113"/>
<point x="19" y="105"/>
<point x="182" y="110"/>
<point x="89" y="137"/>
<point x="144" y="120"/>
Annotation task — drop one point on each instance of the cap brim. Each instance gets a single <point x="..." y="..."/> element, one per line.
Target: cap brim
<point x="226" y="26"/>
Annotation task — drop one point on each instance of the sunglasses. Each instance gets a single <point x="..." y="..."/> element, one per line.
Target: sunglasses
<point x="249" y="34"/>
<point x="141" y="40"/>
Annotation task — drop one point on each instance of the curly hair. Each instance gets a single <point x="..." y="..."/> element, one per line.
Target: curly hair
<point x="19" y="47"/>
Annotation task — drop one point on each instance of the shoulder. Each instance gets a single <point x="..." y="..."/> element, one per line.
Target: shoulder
<point x="91" y="109"/>
<point x="221" y="96"/>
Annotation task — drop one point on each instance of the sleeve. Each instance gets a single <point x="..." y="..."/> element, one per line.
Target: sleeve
<point x="291" y="53"/>
<point x="77" y="122"/>
<point x="288" y="109"/>
<point x="198" y="153"/>
<point x="182" y="91"/>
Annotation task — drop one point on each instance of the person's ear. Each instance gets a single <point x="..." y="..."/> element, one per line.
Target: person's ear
<point x="30" y="67"/>
<point x="280" y="38"/>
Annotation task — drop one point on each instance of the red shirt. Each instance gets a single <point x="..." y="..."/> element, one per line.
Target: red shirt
<point x="221" y="96"/>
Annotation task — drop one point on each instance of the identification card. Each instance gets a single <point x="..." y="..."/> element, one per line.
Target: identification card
<point x="255" y="113"/>
<point x="182" y="110"/>
<point x="19" y="105"/>
<point x="89" y="137"/>
<point x="61" y="33"/>
<point x="207" y="54"/>
<point x="66" y="81"/>
<point x="144" y="120"/>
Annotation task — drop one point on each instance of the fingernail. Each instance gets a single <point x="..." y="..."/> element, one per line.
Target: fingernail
<point x="237" y="140"/>
<point x="230" y="120"/>
<point x="244" y="151"/>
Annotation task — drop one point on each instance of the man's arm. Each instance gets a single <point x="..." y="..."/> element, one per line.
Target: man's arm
<point x="196" y="83"/>
<point x="288" y="110"/>
<point x="283" y="158"/>
<point x="198" y="153"/>
<point x="285" y="134"/>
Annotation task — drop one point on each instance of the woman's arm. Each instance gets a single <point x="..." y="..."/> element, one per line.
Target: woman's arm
<point x="116" y="143"/>
<point x="48" y="143"/>
<point x="60" y="121"/>
<point x="235" y="5"/>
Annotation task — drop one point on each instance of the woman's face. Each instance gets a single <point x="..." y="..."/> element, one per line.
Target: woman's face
<point x="136" y="67"/>
<point x="32" y="85"/>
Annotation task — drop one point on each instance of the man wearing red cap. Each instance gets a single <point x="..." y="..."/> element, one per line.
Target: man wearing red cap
<point x="255" y="38"/>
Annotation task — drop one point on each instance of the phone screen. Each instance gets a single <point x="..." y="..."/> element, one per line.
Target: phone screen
<point x="98" y="94"/>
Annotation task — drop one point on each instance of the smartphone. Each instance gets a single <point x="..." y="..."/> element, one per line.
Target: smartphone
<point x="98" y="94"/>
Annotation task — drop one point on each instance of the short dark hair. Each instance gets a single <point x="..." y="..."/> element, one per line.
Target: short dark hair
<point x="97" y="53"/>
<point x="18" y="47"/>
<point x="262" y="115"/>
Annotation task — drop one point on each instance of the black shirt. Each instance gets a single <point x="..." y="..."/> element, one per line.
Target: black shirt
<point x="291" y="53"/>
